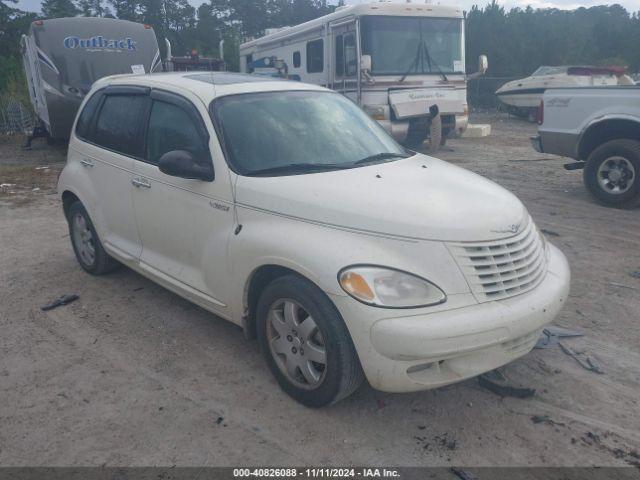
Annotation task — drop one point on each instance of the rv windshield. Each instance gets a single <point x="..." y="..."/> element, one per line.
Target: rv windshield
<point x="396" y="45"/>
<point x="296" y="132"/>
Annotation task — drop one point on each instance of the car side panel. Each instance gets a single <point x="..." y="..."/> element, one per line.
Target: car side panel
<point x="104" y="180"/>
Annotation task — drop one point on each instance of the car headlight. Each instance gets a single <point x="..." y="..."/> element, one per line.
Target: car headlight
<point x="387" y="287"/>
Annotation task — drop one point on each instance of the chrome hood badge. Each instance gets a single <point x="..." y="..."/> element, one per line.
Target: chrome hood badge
<point x="513" y="228"/>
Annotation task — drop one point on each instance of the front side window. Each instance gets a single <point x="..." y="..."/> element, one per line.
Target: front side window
<point x="315" y="56"/>
<point x="297" y="132"/>
<point x="413" y="45"/>
<point x="118" y="124"/>
<point x="172" y="128"/>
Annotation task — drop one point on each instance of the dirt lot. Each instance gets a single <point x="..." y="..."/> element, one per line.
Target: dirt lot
<point x="131" y="374"/>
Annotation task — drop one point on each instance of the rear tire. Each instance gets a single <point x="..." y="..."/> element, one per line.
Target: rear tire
<point x="89" y="251"/>
<point x="305" y="342"/>
<point x="612" y="173"/>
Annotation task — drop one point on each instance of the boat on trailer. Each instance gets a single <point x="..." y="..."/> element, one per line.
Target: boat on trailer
<point x="522" y="97"/>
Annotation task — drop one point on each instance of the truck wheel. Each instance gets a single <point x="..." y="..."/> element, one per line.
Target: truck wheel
<point x="90" y="253"/>
<point x="435" y="134"/>
<point x="306" y="343"/>
<point x="611" y="173"/>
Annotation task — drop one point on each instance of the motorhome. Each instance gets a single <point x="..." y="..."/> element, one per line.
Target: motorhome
<point x="404" y="64"/>
<point x="63" y="57"/>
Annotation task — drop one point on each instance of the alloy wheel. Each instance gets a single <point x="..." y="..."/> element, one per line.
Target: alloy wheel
<point x="83" y="239"/>
<point x="296" y="344"/>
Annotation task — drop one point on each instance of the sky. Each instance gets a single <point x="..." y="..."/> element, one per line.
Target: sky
<point x="631" y="5"/>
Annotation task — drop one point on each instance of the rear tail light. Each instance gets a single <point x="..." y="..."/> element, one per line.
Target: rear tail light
<point x="540" y="113"/>
<point x="148" y="27"/>
<point x="39" y="23"/>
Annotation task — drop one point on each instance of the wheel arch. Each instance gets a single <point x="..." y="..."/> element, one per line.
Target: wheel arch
<point x="68" y="199"/>
<point x="606" y="130"/>
<point x="259" y="278"/>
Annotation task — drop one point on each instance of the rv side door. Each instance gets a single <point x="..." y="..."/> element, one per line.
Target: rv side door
<point x="345" y="60"/>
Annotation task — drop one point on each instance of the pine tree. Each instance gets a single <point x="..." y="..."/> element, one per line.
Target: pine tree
<point x="59" y="8"/>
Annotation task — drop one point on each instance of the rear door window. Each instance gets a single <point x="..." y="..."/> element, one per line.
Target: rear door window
<point x="118" y="125"/>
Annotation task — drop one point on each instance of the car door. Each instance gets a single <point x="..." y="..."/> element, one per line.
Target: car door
<point x="109" y="140"/>
<point x="184" y="224"/>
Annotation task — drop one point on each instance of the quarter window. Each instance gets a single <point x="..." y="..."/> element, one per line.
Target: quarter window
<point x="117" y="127"/>
<point x="87" y="115"/>
<point x="296" y="59"/>
<point x="315" y="56"/>
<point x="172" y="128"/>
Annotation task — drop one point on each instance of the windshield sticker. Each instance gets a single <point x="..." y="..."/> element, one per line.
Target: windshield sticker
<point x="100" y="44"/>
<point x="138" y="69"/>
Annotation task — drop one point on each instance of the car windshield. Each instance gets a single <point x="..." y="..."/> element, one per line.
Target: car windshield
<point x="295" y="132"/>
<point x="413" y="45"/>
<point x="549" y="71"/>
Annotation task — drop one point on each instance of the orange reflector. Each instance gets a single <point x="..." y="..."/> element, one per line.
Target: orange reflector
<point x="357" y="286"/>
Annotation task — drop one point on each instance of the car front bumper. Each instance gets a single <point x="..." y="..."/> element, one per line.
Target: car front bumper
<point x="416" y="352"/>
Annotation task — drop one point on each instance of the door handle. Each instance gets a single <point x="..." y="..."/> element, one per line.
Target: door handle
<point x="139" y="182"/>
<point x="85" y="162"/>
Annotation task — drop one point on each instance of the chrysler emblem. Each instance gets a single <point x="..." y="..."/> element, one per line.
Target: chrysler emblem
<point x="513" y="228"/>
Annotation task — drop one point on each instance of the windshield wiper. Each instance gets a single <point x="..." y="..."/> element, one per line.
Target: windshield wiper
<point x="300" y="167"/>
<point x="421" y="54"/>
<point x="380" y="156"/>
<point x="431" y="60"/>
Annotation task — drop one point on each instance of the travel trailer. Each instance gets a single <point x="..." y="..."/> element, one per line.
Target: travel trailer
<point x="193" y="62"/>
<point x="522" y="97"/>
<point x="404" y="64"/>
<point x="63" y="57"/>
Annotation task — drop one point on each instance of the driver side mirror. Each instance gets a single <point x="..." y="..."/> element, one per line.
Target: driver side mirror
<point x="180" y="163"/>
<point x="365" y="63"/>
<point x="483" y="64"/>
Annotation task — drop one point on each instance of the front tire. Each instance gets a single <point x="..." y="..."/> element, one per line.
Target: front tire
<point x="612" y="173"/>
<point x="435" y="135"/>
<point x="89" y="251"/>
<point x="306" y="343"/>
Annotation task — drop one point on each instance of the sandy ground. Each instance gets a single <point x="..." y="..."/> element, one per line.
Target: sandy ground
<point x="131" y="374"/>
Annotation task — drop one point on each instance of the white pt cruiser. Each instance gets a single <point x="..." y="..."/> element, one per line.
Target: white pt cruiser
<point x="285" y="209"/>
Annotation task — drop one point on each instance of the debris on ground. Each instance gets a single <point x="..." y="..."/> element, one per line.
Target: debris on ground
<point x="537" y="419"/>
<point x="496" y="382"/>
<point x="622" y="285"/>
<point x="587" y="362"/>
<point x="462" y="474"/>
<point x="551" y="233"/>
<point x="551" y="335"/>
<point x="63" y="300"/>
<point x="635" y="274"/>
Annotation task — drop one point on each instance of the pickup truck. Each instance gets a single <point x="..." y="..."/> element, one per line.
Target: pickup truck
<point x="600" y="128"/>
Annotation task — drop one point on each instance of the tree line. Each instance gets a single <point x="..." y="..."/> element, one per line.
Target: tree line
<point x="517" y="41"/>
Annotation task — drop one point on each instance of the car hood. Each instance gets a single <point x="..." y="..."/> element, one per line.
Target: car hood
<point x="419" y="197"/>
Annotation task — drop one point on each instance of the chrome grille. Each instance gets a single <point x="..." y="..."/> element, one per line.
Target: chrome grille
<point x="503" y="268"/>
